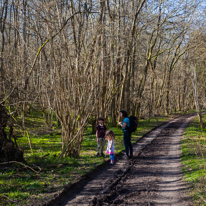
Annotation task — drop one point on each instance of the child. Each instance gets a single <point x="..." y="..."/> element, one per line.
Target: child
<point x="100" y="134"/>
<point x="110" y="146"/>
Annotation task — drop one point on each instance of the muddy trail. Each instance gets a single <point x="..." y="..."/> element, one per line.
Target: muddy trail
<point x="152" y="177"/>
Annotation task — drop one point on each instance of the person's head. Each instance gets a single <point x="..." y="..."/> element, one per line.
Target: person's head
<point x="109" y="135"/>
<point x="123" y="113"/>
<point x="101" y="120"/>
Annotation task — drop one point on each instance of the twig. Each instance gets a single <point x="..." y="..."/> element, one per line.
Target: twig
<point x="201" y="196"/>
<point x="45" y="43"/>
<point x="26" y="166"/>
<point x="7" y="198"/>
<point x="27" y="134"/>
<point x="9" y="95"/>
<point x="45" y="155"/>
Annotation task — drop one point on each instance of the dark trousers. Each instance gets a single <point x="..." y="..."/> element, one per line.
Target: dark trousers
<point x="127" y="143"/>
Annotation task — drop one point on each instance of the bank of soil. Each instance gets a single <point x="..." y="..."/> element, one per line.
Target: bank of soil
<point x="153" y="177"/>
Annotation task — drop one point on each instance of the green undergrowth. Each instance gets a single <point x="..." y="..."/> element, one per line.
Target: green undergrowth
<point x="194" y="160"/>
<point x="40" y="177"/>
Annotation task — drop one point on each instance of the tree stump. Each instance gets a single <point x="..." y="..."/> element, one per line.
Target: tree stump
<point x="8" y="150"/>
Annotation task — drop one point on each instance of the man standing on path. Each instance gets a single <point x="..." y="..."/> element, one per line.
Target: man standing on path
<point x="127" y="135"/>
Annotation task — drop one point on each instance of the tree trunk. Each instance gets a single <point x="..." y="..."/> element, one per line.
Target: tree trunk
<point x="66" y="137"/>
<point x="2" y="28"/>
<point x="196" y="96"/>
<point x="94" y="122"/>
<point x="113" y="113"/>
<point x="8" y="150"/>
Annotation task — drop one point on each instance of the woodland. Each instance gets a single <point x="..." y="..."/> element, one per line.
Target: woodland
<point x="73" y="61"/>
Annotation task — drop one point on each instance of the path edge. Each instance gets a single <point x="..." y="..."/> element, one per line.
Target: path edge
<point x="86" y="177"/>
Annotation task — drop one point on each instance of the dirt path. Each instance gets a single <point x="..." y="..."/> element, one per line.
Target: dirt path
<point x="153" y="177"/>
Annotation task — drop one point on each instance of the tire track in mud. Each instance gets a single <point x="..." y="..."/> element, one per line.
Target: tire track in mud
<point x="148" y="179"/>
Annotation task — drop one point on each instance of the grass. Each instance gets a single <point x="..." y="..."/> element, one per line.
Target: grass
<point x="21" y="185"/>
<point x="193" y="158"/>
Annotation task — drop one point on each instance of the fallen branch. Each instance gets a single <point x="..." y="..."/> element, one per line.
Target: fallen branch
<point x="45" y="155"/>
<point x="7" y="198"/>
<point x="201" y="196"/>
<point x="26" y="166"/>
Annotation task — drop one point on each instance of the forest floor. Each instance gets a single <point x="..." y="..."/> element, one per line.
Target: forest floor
<point x="153" y="177"/>
<point x="154" y="174"/>
<point x="40" y="179"/>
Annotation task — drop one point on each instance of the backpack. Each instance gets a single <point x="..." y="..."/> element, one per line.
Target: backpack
<point x="133" y="124"/>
